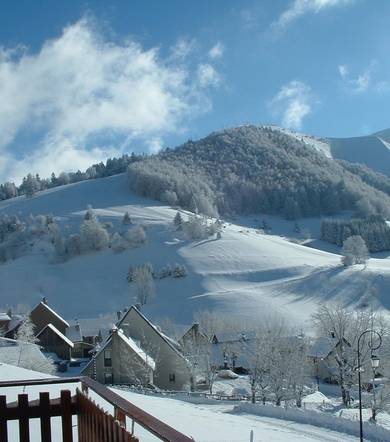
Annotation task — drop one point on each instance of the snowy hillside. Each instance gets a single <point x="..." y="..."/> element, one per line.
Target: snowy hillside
<point x="246" y="272"/>
<point x="319" y="144"/>
<point x="371" y="150"/>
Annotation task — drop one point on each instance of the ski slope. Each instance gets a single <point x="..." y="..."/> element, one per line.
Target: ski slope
<point x="246" y="273"/>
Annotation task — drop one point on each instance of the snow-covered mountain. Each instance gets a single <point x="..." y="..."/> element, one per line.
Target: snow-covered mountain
<point x="246" y="272"/>
<point x="371" y="150"/>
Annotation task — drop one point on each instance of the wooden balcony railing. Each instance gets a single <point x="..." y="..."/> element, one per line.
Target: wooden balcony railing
<point x="93" y="423"/>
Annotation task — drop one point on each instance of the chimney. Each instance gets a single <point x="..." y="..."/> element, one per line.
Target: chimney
<point x="195" y="327"/>
<point x="44" y="300"/>
<point x="119" y="314"/>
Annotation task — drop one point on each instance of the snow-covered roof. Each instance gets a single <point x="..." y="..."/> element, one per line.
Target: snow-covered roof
<point x="58" y="333"/>
<point x="91" y="326"/>
<point x="15" y="321"/>
<point x="18" y="354"/>
<point x="148" y="360"/>
<point x="322" y="347"/>
<point x="74" y="333"/>
<point x="4" y="316"/>
<point x="11" y="373"/>
<point x="163" y="337"/>
<point x="54" y="313"/>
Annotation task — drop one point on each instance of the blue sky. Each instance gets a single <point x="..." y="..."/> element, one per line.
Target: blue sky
<point x="81" y="81"/>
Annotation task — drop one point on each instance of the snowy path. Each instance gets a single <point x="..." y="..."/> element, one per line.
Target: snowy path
<point x="215" y="423"/>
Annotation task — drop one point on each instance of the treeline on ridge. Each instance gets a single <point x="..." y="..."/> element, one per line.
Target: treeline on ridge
<point x="253" y="169"/>
<point x="373" y="229"/>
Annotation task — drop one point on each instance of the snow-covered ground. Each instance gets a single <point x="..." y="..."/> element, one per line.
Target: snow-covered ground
<point x="246" y="272"/>
<point x="205" y="422"/>
<point x="217" y="423"/>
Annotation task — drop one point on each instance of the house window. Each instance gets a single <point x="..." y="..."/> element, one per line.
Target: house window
<point x="171" y="377"/>
<point x="108" y="378"/>
<point x="107" y="358"/>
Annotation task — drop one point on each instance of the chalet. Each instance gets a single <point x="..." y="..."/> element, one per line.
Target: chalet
<point x="322" y="357"/>
<point x="42" y="315"/>
<point x="52" y="340"/>
<point x="86" y="333"/>
<point x="137" y="352"/>
<point x="193" y="336"/>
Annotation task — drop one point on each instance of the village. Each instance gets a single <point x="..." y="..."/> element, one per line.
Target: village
<point x="127" y="349"/>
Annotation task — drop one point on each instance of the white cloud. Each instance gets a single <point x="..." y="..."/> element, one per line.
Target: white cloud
<point x="217" y="51"/>
<point x="207" y="75"/>
<point x="360" y="83"/>
<point x="183" y="48"/>
<point x="292" y="104"/>
<point x="343" y="71"/>
<point x="299" y="8"/>
<point x="85" y="98"/>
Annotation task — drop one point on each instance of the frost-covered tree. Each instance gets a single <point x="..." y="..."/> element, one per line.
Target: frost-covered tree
<point x="354" y="251"/>
<point x="30" y="185"/>
<point x="144" y="284"/>
<point x="259" y="352"/>
<point x="345" y="326"/>
<point x="26" y="332"/>
<point x="57" y="239"/>
<point x="179" y="271"/>
<point x="90" y="214"/>
<point x="165" y="272"/>
<point x="169" y="197"/>
<point x="195" y="227"/>
<point x="136" y="236"/>
<point x="118" y="243"/>
<point x="73" y="245"/>
<point x="93" y="236"/>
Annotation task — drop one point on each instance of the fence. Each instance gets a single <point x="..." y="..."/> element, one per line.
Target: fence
<point x="93" y="423"/>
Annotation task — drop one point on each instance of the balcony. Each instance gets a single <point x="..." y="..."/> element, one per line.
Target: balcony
<point x="81" y="415"/>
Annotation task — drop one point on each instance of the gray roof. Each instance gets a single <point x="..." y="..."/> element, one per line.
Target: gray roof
<point x="91" y="327"/>
<point x="322" y="347"/>
<point x="21" y="354"/>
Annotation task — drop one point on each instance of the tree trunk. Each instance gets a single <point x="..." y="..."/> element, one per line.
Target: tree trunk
<point x="344" y="395"/>
<point x="253" y="396"/>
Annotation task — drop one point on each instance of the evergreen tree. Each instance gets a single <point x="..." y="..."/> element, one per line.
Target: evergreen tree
<point x="178" y="221"/>
<point x="126" y="220"/>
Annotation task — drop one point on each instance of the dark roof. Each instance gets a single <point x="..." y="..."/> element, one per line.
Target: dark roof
<point x="44" y="305"/>
<point x="58" y="333"/>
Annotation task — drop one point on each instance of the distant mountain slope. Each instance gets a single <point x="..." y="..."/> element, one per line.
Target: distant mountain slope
<point x="370" y="150"/>
<point x="257" y="169"/>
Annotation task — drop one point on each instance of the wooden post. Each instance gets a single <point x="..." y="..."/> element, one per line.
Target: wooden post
<point x="120" y="416"/>
<point x="66" y="406"/>
<point x="44" y="405"/>
<point x="3" y="421"/>
<point x="24" y="427"/>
